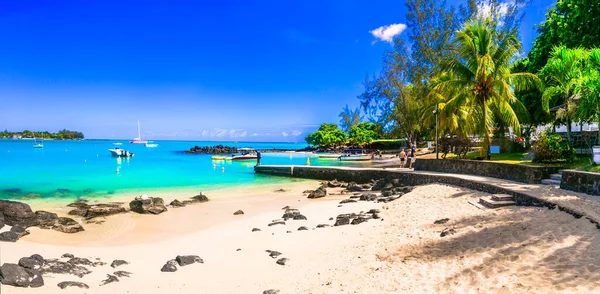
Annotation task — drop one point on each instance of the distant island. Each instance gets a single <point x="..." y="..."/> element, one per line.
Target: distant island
<point x="60" y="135"/>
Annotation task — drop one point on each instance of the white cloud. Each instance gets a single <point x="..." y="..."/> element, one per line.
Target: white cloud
<point x="254" y="134"/>
<point x="204" y="133"/>
<point x="485" y="9"/>
<point x="296" y="133"/>
<point x="219" y="133"/>
<point x="387" y="33"/>
<point x="285" y="134"/>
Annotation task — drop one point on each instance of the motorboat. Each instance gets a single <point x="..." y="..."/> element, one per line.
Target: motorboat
<point x="355" y="155"/>
<point x="329" y="155"/>
<point x="245" y="154"/>
<point x="118" y="152"/>
<point x="220" y="157"/>
<point x="138" y="140"/>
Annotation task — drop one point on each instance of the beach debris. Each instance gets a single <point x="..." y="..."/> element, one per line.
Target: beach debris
<point x="322" y="225"/>
<point x="17" y="213"/>
<point x="177" y="203"/>
<point x="68" y="255"/>
<point x="302" y="228"/>
<point x="45" y="220"/>
<point x="9" y="236"/>
<point x="184" y="260"/>
<point x="282" y="261"/>
<point x="318" y="193"/>
<point x="280" y="190"/>
<point x="255" y="230"/>
<point x="199" y="198"/>
<point x="271" y="291"/>
<point x="347" y="201"/>
<point x="276" y="223"/>
<point x="447" y="232"/>
<point x="67" y="225"/>
<point x="441" y="221"/>
<point x="13" y="275"/>
<point x="122" y="274"/>
<point x="151" y="205"/>
<point x="118" y="262"/>
<point x="239" y="212"/>
<point x="273" y="253"/>
<point x="331" y="218"/>
<point x="285" y="207"/>
<point x="109" y="279"/>
<point x="32" y="262"/>
<point x="289" y="232"/>
<point x="353" y="187"/>
<point x="239" y="249"/>
<point x="66" y="284"/>
<point x="170" y="266"/>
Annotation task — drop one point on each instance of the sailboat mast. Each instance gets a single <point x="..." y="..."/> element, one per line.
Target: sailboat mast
<point x="139" y="136"/>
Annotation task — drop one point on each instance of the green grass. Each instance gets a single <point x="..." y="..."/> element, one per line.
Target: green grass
<point x="581" y="162"/>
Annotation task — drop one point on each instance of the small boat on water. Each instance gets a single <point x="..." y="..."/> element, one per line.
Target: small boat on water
<point x="329" y="155"/>
<point x="117" y="144"/>
<point x="220" y="157"/>
<point x="37" y="144"/>
<point x="245" y="154"/>
<point x="138" y="140"/>
<point x="355" y="155"/>
<point x="118" y="152"/>
<point x="151" y="145"/>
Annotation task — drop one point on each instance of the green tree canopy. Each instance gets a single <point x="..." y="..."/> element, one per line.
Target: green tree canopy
<point x="364" y="133"/>
<point x="327" y="135"/>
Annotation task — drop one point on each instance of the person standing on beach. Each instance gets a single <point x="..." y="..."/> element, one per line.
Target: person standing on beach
<point x="412" y="156"/>
<point x="258" y="156"/>
<point x="402" y="158"/>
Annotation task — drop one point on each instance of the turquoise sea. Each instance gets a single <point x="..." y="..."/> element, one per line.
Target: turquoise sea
<point x="74" y="169"/>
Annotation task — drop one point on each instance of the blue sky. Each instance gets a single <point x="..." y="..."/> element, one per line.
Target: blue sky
<point x="205" y="70"/>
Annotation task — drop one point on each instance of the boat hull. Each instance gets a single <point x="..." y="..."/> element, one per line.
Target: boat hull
<point x="356" y="158"/>
<point x="329" y="155"/>
<point x="244" y="157"/>
<point x="120" y="153"/>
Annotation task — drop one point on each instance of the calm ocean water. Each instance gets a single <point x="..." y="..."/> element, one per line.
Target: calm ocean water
<point x="72" y="169"/>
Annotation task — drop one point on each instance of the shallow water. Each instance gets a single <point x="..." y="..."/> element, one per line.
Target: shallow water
<point x="74" y="169"/>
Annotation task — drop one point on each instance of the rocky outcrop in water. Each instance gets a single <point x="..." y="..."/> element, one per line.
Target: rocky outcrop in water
<point x="219" y="149"/>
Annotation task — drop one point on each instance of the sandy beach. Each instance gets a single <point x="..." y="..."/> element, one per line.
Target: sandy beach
<point x="516" y="249"/>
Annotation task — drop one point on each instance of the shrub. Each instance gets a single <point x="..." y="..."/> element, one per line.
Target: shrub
<point x="458" y="146"/>
<point x="552" y="147"/>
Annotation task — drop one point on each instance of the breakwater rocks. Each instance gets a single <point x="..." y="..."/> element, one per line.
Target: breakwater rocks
<point x="219" y="149"/>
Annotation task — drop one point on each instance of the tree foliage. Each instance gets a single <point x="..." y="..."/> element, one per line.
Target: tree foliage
<point x="349" y="118"/>
<point x="364" y="133"/>
<point x="482" y="82"/>
<point x="327" y="135"/>
<point x="60" y="135"/>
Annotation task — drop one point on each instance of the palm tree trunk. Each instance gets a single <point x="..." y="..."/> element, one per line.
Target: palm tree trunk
<point x="569" y="131"/>
<point x="486" y="131"/>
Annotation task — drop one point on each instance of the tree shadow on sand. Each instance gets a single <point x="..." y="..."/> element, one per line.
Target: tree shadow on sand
<point x="525" y="245"/>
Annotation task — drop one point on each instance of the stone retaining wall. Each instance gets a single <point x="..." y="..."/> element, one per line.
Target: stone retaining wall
<point x="513" y="172"/>
<point x="580" y="181"/>
<point x="362" y="175"/>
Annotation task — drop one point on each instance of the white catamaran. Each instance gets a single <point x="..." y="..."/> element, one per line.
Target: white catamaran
<point x="138" y="140"/>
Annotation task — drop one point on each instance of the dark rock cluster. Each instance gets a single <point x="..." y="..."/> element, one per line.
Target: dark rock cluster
<point x="219" y="149"/>
<point x="181" y="260"/>
<point x="82" y="209"/>
<point x="148" y="205"/>
<point x="318" y="193"/>
<point x="200" y="198"/>
<point x="293" y="214"/>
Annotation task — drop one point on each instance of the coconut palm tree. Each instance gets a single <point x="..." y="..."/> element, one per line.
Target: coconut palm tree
<point x="563" y="77"/>
<point x="349" y="118"/>
<point x="483" y="84"/>
<point x="589" y="109"/>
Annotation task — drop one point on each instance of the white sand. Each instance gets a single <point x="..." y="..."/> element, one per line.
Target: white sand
<point x="505" y="251"/>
